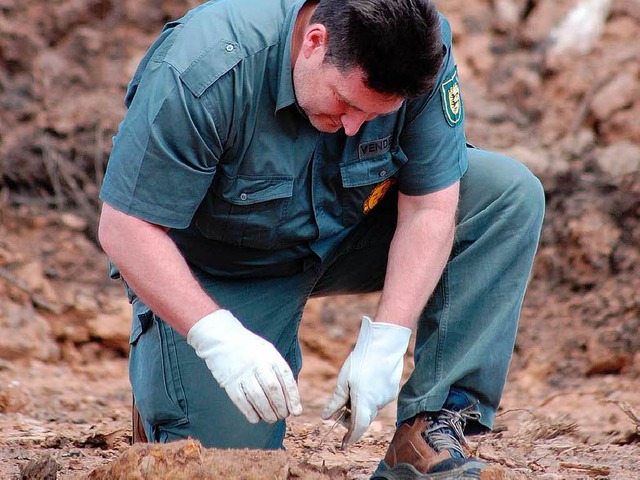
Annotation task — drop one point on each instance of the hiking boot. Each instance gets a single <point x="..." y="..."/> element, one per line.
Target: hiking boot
<point x="431" y="447"/>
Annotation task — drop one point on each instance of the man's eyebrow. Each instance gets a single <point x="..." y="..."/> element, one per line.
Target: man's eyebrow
<point x="351" y="105"/>
<point x="342" y="99"/>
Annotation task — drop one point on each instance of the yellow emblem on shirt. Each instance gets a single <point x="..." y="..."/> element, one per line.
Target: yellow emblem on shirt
<point x="376" y="195"/>
<point x="451" y="100"/>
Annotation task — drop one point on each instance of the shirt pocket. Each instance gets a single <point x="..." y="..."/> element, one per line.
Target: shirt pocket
<point x="365" y="183"/>
<point x="245" y="210"/>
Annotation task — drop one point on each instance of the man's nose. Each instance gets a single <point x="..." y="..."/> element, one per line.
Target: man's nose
<point x="353" y="120"/>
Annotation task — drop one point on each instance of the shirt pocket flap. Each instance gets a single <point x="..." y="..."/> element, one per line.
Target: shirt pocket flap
<point x="373" y="170"/>
<point x="251" y="189"/>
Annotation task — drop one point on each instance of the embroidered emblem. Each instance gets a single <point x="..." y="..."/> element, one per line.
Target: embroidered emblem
<point x="377" y="194"/>
<point x="374" y="148"/>
<point x="451" y="100"/>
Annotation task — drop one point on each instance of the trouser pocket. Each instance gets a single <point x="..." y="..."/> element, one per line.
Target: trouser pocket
<point x="154" y="372"/>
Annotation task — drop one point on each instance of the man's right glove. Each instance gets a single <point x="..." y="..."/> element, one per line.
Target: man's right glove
<point x="253" y="373"/>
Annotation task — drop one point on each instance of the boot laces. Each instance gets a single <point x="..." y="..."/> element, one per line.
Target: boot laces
<point x="446" y="429"/>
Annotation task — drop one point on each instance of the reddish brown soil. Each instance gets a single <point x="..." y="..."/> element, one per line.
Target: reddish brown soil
<point x="571" y="407"/>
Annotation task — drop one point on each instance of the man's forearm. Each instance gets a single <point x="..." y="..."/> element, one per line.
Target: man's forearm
<point x="418" y="254"/>
<point x="154" y="268"/>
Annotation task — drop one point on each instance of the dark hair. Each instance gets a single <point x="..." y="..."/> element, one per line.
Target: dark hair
<point x="397" y="43"/>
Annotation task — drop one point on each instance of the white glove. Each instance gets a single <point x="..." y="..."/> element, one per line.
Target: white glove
<point x="370" y="377"/>
<point x="255" y="376"/>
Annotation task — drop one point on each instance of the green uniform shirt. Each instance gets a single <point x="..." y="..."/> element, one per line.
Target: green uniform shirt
<point x="214" y="147"/>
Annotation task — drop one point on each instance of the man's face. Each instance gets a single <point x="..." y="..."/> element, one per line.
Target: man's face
<point x="333" y="100"/>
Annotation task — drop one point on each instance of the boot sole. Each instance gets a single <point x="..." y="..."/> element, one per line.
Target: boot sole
<point x="405" y="471"/>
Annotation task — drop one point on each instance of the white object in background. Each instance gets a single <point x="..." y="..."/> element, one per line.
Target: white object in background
<point x="508" y="11"/>
<point x="580" y="29"/>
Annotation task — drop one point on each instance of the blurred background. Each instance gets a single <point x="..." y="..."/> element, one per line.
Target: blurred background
<point x="554" y="83"/>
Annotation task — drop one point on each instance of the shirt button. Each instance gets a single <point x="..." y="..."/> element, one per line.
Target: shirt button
<point x="243" y="196"/>
<point x="229" y="48"/>
<point x="383" y="173"/>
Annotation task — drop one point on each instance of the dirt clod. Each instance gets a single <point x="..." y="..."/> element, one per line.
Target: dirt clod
<point x="44" y="468"/>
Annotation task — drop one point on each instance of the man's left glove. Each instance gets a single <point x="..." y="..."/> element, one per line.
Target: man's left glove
<point x="370" y="377"/>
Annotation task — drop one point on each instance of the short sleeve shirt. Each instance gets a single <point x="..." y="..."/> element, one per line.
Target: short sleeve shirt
<point x="214" y="147"/>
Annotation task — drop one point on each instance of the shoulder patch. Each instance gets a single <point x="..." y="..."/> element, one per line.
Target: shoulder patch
<point x="452" y="100"/>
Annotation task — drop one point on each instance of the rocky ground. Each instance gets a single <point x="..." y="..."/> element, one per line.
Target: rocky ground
<point x="566" y="101"/>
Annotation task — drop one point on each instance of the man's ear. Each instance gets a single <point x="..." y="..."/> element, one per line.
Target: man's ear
<point x="315" y="39"/>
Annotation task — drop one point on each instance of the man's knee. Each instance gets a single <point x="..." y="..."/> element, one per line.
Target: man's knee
<point x="498" y="178"/>
<point x="526" y="193"/>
